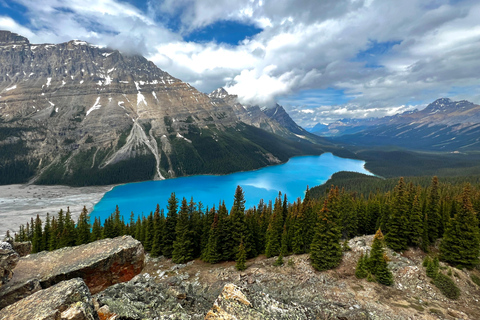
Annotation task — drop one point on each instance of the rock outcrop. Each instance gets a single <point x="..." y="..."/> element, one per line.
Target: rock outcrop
<point x="100" y="264"/>
<point x="68" y="300"/>
<point x="8" y="260"/>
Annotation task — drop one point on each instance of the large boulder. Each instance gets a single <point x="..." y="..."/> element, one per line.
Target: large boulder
<point x="8" y="260"/>
<point x="68" y="300"/>
<point x="100" y="264"/>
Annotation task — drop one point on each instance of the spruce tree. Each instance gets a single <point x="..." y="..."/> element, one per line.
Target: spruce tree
<point x="149" y="233"/>
<point x="432" y="213"/>
<point x="415" y="221"/>
<point x="383" y="274"/>
<point x="183" y="245"/>
<point x="212" y="253"/>
<point x="83" y="227"/>
<point x="169" y="235"/>
<point x="241" y="257"/>
<point x="361" y="271"/>
<point x="274" y="231"/>
<point x="326" y="252"/>
<point x="377" y="262"/>
<point x="37" y="235"/>
<point x="238" y="226"/>
<point x="96" y="230"/>
<point x="52" y="241"/>
<point x="158" y="227"/>
<point x="299" y="230"/>
<point x="396" y="237"/>
<point x="46" y="233"/>
<point x="461" y="242"/>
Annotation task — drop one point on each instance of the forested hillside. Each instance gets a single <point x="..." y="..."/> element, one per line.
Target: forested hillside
<point x="409" y="215"/>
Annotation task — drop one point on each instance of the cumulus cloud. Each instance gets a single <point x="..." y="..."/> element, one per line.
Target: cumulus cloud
<point x="431" y="48"/>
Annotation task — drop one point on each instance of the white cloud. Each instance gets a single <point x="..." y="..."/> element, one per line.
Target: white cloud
<point x="305" y="44"/>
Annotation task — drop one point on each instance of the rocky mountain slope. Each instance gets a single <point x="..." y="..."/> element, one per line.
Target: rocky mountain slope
<point x="444" y="125"/>
<point x="74" y="113"/>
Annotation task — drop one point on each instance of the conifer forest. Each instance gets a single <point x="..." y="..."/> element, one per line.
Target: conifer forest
<point x="442" y="215"/>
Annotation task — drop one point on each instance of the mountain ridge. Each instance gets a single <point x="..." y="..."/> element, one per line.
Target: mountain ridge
<point x="73" y="110"/>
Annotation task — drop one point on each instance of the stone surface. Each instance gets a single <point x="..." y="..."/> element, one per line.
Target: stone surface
<point x="67" y="300"/>
<point x="100" y="264"/>
<point x="8" y="260"/>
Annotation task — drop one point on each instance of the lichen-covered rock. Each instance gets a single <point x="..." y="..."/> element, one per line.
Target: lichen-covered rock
<point x="68" y="300"/>
<point x="238" y="303"/>
<point x="8" y="260"/>
<point x="143" y="298"/>
<point x="100" y="264"/>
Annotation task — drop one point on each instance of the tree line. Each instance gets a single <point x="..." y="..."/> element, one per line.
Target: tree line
<point x="408" y="216"/>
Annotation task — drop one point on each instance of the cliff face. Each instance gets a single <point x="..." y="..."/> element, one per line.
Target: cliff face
<point x="72" y="110"/>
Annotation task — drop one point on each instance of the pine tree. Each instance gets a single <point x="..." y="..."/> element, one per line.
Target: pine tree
<point x="52" y="241"/>
<point x="300" y="227"/>
<point x="432" y="215"/>
<point x="241" y="257"/>
<point x="415" y="229"/>
<point x="83" y="227"/>
<point x="238" y="226"/>
<point x="96" y="230"/>
<point x="212" y="253"/>
<point x="149" y="233"/>
<point x="383" y="274"/>
<point x="37" y="235"/>
<point x="361" y="271"/>
<point x="326" y="252"/>
<point x="461" y="242"/>
<point x="46" y="233"/>
<point x="158" y="227"/>
<point x="274" y="231"/>
<point x="377" y="262"/>
<point x="183" y="246"/>
<point x="396" y="237"/>
<point x="169" y="235"/>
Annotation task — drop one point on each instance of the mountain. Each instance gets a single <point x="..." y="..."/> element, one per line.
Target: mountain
<point x="444" y="125"/>
<point x="78" y="114"/>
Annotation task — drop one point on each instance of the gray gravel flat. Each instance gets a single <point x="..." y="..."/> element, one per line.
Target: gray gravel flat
<point x="18" y="203"/>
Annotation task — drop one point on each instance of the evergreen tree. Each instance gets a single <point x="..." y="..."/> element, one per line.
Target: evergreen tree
<point x="415" y="221"/>
<point x="83" y="227"/>
<point x="432" y="215"/>
<point x="241" y="257"/>
<point x="183" y="245"/>
<point x="383" y="274"/>
<point x="169" y="235"/>
<point x="284" y="247"/>
<point x="158" y="227"/>
<point x="461" y="242"/>
<point x="37" y="235"/>
<point x="239" y="227"/>
<point x="52" y="241"/>
<point x="96" y="230"/>
<point x="377" y="262"/>
<point x="326" y="252"/>
<point x="46" y="233"/>
<point x="361" y="271"/>
<point x="396" y="237"/>
<point x="274" y="231"/>
<point x="149" y="233"/>
<point x="300" y="227"/>
<point x="212" y="253"/>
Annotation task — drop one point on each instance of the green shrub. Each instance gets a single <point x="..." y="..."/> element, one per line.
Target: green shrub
<point x="446" y="286"/>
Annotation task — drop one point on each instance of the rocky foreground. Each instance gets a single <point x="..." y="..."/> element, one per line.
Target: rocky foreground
<point x="66" y="285"/>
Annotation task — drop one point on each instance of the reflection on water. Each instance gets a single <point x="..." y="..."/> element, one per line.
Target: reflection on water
<point x="290" y="178"/>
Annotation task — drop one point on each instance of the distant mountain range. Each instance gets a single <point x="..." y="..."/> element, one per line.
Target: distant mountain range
<point x="78" y="114"/>
<point x="444" y="125"/>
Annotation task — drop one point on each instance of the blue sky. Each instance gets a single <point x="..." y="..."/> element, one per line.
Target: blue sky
<point x="323" y="60"/>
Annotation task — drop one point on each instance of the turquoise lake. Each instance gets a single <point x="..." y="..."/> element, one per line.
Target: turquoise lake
<point x="290" y="178"/>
